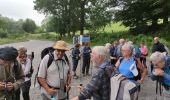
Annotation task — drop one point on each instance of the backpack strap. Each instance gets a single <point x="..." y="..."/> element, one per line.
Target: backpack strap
<point x="50" y="60"/>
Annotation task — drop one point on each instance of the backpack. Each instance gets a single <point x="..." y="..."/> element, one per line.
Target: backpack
<point x="137" y="52"/>
<point x="16" y="69"/>
<point x="49" y="51"/>
<point x="138" y="77"/>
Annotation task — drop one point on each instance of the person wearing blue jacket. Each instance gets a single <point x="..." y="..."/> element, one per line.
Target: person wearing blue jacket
<point x="161" y="72"/>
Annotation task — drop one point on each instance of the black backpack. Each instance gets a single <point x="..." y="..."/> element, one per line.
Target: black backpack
<point x="49" y="51"/>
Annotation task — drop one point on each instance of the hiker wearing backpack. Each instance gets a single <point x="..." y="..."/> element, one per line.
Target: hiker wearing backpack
<point x="161" y="73"/>
<point x="54" y="73"/>
<point x="75" y="59"/>
<point x="25" y="62"/>
<point x="99" y="85"/>
<point x="10" y="73"/>
<point x="130" y="71"/>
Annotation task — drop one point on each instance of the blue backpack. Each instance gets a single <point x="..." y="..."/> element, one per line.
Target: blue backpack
<point x="137" y="52"/>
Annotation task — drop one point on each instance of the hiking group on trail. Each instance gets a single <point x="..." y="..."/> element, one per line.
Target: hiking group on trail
<point x="120" y="69"/>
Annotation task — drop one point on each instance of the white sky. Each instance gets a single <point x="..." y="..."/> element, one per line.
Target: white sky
<point x="20" y="9"/>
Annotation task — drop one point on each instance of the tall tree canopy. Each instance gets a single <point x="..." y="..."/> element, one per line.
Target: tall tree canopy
<point x="73" y="15"/>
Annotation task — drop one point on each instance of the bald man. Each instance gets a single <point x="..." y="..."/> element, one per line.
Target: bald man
<point x="157" y="46"/>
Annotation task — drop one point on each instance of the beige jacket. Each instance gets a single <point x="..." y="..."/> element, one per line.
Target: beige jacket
<point x="7" y="74"/>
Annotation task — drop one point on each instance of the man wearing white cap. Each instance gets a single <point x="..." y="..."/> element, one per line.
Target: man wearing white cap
<point x="54" y="78"/>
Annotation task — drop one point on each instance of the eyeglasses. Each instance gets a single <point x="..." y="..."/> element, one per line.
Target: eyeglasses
<point x="22" y="57"/>
<point x="157" y="64"/>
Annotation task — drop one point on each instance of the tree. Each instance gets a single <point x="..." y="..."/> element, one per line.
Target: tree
<point x="29" y="26"/>
<point x="142" y="14"/>
<point x="74" y="15"/>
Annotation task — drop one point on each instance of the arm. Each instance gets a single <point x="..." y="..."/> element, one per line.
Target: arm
<point x="92" y="86"/>
<point x="117" y="63"/>
<point x="142" y="69"/>
<point x="42" y="74"/>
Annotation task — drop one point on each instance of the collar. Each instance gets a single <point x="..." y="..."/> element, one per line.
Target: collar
<point x="103" y="65"/>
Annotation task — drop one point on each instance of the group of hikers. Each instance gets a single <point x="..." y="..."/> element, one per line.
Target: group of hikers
<point x="120" y="69"/>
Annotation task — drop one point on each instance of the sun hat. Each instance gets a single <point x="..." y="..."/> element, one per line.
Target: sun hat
<point x="61" y="45"/>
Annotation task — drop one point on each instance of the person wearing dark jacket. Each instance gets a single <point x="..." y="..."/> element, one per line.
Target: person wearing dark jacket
<point x="86" y="59"/>
<point x="75" y="59"/>
<point x="157" y="46"/>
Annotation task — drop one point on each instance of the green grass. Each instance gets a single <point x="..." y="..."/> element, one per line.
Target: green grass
<point x="114" y="28"/>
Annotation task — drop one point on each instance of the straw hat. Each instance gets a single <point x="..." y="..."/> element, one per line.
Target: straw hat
<point x="62" y="45"/>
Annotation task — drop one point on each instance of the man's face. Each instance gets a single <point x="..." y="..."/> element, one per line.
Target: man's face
<point x="160" y="64"/>
<point x="156" y="40"/>
<point x="60" y="53"/>
<point x="22" y="58"/>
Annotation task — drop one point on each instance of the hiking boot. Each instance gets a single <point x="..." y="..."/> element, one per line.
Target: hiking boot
<point x="87" y="74"/>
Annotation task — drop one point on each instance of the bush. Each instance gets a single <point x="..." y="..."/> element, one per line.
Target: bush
<point x="3" y="33"/>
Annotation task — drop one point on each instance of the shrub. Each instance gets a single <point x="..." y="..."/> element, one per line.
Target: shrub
<point x="3" y="33"/>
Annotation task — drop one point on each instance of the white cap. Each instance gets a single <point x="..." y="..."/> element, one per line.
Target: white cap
<point x="133" y="69"/>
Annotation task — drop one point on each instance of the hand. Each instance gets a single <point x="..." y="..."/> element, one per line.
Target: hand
<point x="158" y="72"/>
<point x="10" y="86"/>
<point x="2" y="86"/>
<point x="75" y="98"/>
<point x="80" y="88"/>
<point x="139" y="82"/>
<point x="51" y="91"/>
<point x="68" y="87"/>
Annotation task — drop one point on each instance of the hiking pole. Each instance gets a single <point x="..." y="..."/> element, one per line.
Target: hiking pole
<point x="91" y="67"/>
<point x="32" y="57"/>
<point x="80" y="68"/>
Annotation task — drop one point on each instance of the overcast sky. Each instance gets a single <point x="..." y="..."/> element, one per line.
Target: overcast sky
<point x="20" y="9"/>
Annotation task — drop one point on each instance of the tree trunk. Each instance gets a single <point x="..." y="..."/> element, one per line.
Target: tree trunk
<point x="82" y="20"/>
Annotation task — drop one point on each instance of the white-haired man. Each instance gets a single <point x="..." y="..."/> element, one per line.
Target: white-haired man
<point x="99" y="86"/>
<point x="161" y="72"/>
<point x="118" y="51"/>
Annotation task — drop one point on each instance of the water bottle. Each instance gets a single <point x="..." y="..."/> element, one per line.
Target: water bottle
<point x="53" y="98"/>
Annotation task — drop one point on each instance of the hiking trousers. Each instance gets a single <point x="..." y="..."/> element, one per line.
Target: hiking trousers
<point x="86" y="65"/>
<point x="25" y="91"/>
<point x="75" y="63"/>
